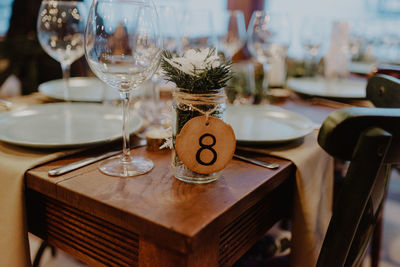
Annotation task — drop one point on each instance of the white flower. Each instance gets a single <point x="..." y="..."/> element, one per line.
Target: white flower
<point x="168" y="143"/>
<point x="195" y="62"/>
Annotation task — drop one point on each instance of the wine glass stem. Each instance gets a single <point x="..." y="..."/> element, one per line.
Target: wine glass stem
<point x="309" y="65"/>
<point x="66" y="70"/>
<point x="125" y="124"/>
<point x="265" y="80"/>
<point x="155" y="95"/>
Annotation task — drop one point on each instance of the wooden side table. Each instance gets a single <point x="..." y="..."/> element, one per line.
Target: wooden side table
<point x="155" y="219"/>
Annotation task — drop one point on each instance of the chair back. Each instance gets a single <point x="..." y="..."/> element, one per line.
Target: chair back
<point x="384" y="91"/>
<point x="370" y="139"/>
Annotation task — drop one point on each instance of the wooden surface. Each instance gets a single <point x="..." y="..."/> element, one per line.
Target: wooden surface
<point x="205" y="145"/>
<point x="156" y="211"/>
<point x="157" y="220"/>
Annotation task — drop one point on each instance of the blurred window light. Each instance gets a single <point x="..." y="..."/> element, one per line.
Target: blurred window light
<point x="214" y="6"/>
<point x="5" y="15"/>
<point x="367" y="20"/>
<point x="332" y="9"/>
<point x="389" y="7"/>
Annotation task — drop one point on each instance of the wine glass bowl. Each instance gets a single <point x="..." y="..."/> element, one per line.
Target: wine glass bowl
<point x="171" y="41"/>
<point x="60" y="28"/>
<point x="169" y="27"/>
<point x="268" y="39"/>
<point x="198" y="29"/>
<point x="266" y="32"/>
<point x="122" y="51"/>
<point x="231" y="32"/>
<point x="313" y="37"/>
<point x="122" y="47"/>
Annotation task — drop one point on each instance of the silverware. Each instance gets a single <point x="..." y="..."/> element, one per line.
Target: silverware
<point x="258" y="162"/>
<point x="84" y="162"/>
<point x="329" y="103"/>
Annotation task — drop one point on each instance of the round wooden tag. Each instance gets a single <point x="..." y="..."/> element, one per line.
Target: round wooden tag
<point x="205" y="147"/>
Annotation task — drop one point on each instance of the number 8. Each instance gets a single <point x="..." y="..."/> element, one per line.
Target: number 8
<point x="209" y="147"/>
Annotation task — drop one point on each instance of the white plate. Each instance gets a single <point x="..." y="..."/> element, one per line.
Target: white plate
<point x="87" y="89"/>
<point x="266" y="124"/>
<point x="63" y="125"/>
<point x="338" y="88"/>
<point x="363" y="68"/>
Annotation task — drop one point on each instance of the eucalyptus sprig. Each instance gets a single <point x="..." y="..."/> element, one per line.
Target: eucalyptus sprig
<point x="198" y="71"/>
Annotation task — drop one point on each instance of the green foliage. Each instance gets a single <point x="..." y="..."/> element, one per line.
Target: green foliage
<point x="208" y="80"/>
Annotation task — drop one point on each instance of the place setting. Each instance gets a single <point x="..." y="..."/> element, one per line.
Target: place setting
<point x="83" y="120"/>
<point x="64" y="124"/>
<point x="267" y="125"/>
<point x="339" y="56"/>
<point x="329" y="88"/>
<point x="81" y="89"/>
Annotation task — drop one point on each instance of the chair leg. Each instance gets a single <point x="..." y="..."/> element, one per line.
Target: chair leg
<point x="40" y="251"/>
<point x="39" y="254"/>
<point x="53" y="251"/>
<point x="376" y="241"/>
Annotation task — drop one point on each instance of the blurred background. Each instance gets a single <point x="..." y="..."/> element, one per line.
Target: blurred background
<point x="269" y="41"/>
<point x="303" y="30"/>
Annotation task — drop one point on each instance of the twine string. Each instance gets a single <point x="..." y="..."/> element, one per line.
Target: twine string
<point x="192" y="100"/>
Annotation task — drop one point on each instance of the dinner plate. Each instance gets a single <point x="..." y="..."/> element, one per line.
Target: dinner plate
<point x="266" y="124"/>
<point x="59" y="125"/>
<point x="85" y="89"/>
<point x="363" y="68"/>
<point x="337" y="88"/>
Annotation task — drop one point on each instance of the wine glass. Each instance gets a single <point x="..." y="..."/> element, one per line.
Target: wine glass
<point x="60" y="28"/>
<point x="230" y="31"/>
<point x="169" y="27"/>
<point x="123" y="47"/>
<point x="386" y="49"/>
<point x="198" y="29"/>
<point x="356" y="39"/>
<point x="312" y="36"/>
<point x="268" y="40"/>
<point x="169" y="33"/>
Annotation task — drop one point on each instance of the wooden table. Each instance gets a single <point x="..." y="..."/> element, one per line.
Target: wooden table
<point x="156" y="220"/>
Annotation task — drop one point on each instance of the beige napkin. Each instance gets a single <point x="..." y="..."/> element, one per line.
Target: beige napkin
<point x="14" y="162"/>
<point x="312" y="207"/>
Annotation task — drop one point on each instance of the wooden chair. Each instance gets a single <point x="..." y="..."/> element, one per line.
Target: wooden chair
<point x="370" y="140"/>
<point x="383" y="90"/>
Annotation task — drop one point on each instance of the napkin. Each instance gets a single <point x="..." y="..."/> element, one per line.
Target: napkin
<point x="14" y="162"/>
<point x="313" y="197"/>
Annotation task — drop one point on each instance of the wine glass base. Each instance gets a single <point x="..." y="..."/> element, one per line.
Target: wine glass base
<point x="116" y="167"/>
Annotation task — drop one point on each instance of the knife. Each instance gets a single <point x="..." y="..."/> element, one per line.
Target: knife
<point x="84" y="162"/>
<point x="258" y="162"/>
